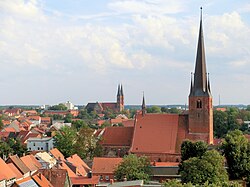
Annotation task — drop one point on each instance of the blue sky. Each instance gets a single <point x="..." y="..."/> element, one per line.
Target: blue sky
<point x="53" y="51"/>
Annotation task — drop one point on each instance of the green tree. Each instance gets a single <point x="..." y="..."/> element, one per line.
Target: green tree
<point x="154" y="109"/>
<point x="65" y="139"/>
<point x="191" y="149"/>
<point x="208" y="168"/>
<point x="16" y="146"/>
<point x="1" y="123"/>
<point x="79" y="124"/>
<point x="68" y="118"/>
<point x="5" y="149"/>
<point x="86" y="143"/>
<point x="236" y="149"/>
<point x="58" y="107"/>
<point x="133" y="168"/>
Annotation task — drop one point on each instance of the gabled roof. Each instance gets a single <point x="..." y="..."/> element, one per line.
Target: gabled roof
<point x="15" y="170"/>
<point x="46" y="157"/>
<point x="82" y="167"/>
<point x="155" y="133"/>
<point x="63" y="165"/>
<point x="117" y="136"/>
<point x="18" y="163"/>
<point x="103" y="165"/>
<point x="6" y="171"/>
<point x="57" y="177"/>
<point x="31" y="162"/>
<point x="56" y="154"/>
<point x="41" y="180"/>
<point x="111" y="106"/>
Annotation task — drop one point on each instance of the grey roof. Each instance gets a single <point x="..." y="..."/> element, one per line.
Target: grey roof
<point x="165" y="171"/>
<point x="39" y="139"/>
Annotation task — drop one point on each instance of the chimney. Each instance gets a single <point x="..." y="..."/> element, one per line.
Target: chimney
<point x="89" y="174"/>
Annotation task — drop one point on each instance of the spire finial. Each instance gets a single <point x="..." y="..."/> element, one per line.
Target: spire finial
<point x="201" y="12"/>
<point x="143" y="105"/>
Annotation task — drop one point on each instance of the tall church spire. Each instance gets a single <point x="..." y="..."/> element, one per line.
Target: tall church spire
<point x="200" y="83"/>
<point x="143" y="107"/>
<point x="119" y="90"/>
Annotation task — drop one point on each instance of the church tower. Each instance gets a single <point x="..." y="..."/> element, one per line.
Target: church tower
<point x="120" y="98"/>
<point x="200" y="98"/>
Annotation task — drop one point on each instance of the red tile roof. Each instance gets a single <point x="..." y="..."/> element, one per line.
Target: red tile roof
<point x="105" y="165"/>
<point x="41" y="180"/>
<point x="31" y="162"/>
<point x="57" y="177"/>
<point x="56" y="153"/>
<point x="6" y="171"/>
<point x="117" y="136"/>
<point x="165" y="164"/>
<point x="85" y="180"/>
<point x="128" y="123"/>
<point x="15" y="170"/>
<point x="18" y="163"/>
<point x="155" y="133"/>
<point x="9" y="129"/>
<point x="81" y="166"/>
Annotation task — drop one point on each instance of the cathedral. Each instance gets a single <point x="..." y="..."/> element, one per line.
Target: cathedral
<point x="117" y="106"/>
<point x="159" y="136"/>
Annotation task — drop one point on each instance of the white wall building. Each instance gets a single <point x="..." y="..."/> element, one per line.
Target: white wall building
<point x="40" y="144"/>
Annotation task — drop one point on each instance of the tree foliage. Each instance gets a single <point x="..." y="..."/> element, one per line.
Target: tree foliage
<point x="58" y="107"/>
<point x="236" y="149"/>
<point x="133" y="168"/>
<point x="207" y="168"/>
<point x="12" y="146"/>
<point x="154" y="109"/>
<point x="69" y="142"/>
<point x="191" y="149"/>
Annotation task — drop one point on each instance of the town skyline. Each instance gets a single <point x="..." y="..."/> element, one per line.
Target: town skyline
<point x="53" y="52"/>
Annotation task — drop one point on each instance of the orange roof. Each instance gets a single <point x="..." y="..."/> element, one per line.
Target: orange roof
<point x="105" y="165"/>
<point x="221" y="109"/>
<point x="18" y="163"/>
<point x="9" y="129"/>
<point x="56" y="153"/>
<point x="6" y="122"/>
<point x="100" y="122"/>
<point x="155" y="133"/>
<point x="31" y="162"/>
<point x="115" y="121"/>
<point x="165" y="164"/>
<point x="34" y="118"/>
<point x="41" y="180"/>
<point x="63" y="165"/>
<point x="117" y="136"/>
<point x="15" y="170"/>
<point x="82" y="167"/>
<point x="85" y="180"/>
<point x="6" y="171"/>
<point x="25" y="180"/>
<point x="128" y="123"/>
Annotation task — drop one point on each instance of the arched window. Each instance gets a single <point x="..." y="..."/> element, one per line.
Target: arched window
<point x="199" y="104"/>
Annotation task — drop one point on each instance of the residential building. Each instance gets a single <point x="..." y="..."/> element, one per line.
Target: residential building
<point x="40" y="144"/>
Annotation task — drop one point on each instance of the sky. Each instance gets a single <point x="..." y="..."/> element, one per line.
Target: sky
<point x="53" y="51"/>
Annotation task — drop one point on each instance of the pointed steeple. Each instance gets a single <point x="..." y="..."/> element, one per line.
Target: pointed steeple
<point x="143" y="107"/>
<point x="191" y="86"/>
<point x="119" y="90"/>
<point x="200" y="77"/>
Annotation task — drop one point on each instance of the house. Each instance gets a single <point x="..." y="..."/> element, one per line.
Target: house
<point x="85" y="181"/>
<point x="36" y="120"/>
<point x="57" y="177"/>
<point x="45" y="160"/>
<point x="6" y="174"/>
<point x="105" y="167"/>
<point x="57" y="154"/>
<point x="41" y="180"/>
<point x="82" y="169"/>
<point x="40" y="144"/>
<point x="12" y="112"/>
<point x="162" y="171"/>
<point x="117" y="106"/>
<point x="32" y="163"/>
<point x="46" y="120"/>
<point x="17" y="172"/>
<point x="18" y="163"/>
<point x="116" y="141"/>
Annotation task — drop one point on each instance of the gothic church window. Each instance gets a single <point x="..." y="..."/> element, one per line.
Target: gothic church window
<point x="199" y="104"/>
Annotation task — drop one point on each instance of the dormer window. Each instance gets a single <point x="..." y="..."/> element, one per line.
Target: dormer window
<point x="199" y="104"/>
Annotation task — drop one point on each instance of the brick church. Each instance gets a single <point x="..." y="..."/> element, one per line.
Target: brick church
<point x="159" y="136"/>
<point x="117" y="106"/>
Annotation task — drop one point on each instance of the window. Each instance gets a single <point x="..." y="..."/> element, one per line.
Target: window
<point x="38" y="148"/>
<point x="34" y="144"/>
<point x="199" y="104"/>
<point x="41" y="148"/>
<point x="106" y="177"/>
